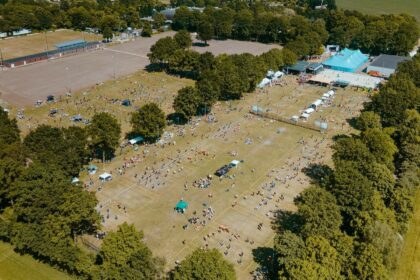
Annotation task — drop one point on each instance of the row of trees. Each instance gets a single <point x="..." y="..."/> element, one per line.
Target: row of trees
<point x="393" y="34"/>
<point x="350" y="224"/>
<point x="104" y="14"/>
<point x="43" y="214"/>
<point x="306" y="33"/>
<point x="304" y="30"/>
<point x="300" y="34"/>
<point x="224" y="77"/>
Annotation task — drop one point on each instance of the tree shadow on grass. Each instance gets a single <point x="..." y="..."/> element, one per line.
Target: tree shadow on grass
<point x="352" y="122"/>
<point x="337" y="137"/>
<point x="176" y="118"/>
<point x="266" y="258"/>
<point x="320" y="174"/>
<point x="286" y="220"/>
<point x="155" y="67"/>
<point x="200" y="44"/>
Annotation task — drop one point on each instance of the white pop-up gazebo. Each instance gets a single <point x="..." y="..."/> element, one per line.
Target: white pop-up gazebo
<point x="105" y="177"/>
<point x="234" y="163"/>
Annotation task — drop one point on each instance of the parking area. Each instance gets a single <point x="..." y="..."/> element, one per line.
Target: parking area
<point x="22" y="86"/>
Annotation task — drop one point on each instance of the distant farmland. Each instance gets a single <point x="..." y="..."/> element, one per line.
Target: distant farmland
<point x="411" y="7"/>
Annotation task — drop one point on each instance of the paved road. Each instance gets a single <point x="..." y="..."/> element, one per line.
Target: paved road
<point x="24" y="85"/>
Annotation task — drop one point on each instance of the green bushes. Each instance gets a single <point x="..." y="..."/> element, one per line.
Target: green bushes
<point x="367" y="201"/>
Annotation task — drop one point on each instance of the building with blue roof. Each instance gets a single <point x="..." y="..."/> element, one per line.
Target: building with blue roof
<point x="346" y="60"/>
<point x="71" y="44"/>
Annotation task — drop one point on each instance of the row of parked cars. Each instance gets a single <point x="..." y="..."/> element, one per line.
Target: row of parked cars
<point x="315" y="105"/>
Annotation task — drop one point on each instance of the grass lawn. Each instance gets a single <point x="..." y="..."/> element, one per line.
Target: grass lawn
<point x="411" y="7"/>
<point x="36" y="43"/>
<point x="16" y="267"/>
<point x="409" y="267"/>
<point x="153" y="177"/>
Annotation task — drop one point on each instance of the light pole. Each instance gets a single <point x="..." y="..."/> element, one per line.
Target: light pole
<point x="46" y="42"/>
<point x="113" y="65"/>
<point x="2" y="61"/>
<point x="68" y="80"/>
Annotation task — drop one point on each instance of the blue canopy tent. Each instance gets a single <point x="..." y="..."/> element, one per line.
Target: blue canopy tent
<point x="181" y="206"/>
<point x="346" y="60"/>
<point x="92" y="169"/>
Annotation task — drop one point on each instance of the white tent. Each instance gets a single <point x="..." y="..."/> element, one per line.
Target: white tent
<point x="305" y="116"/>
<point x="75" y="180"/>
<point x="309" y="111"/>
<point x="234" y="162"/>
<point x="316" y="104"/>
<point x="264" y="82"/>
<point x="331" y="92"/>
<point x="105" y="177"/>
<point x="295" y="118"/>
<point x="136" y="140"/>
<point x="278" y="75"/>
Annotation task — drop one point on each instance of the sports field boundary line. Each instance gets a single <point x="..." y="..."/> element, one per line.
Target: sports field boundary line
<point x="125" y="52"/>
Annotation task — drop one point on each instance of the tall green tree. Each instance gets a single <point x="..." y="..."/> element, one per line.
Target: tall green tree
<point x="186" y="102"/>
<point x="204" y="264"/>
<point x="147" y="30"/>
<point x="124" y="255"/>
<point x="9" y="131"/>
<point x="398" y="95"/>
<point x="149" y="121"/>
<point x="319" y="211"/>
<point x="48" y="214"/>
<point x="104" y="132"/>
<point x="368" y="120"/>
<point x="184" y="62"/>
<point x="205" y="31"/>
<point x="63" y="148"/>
<point x="380" y="145"/>
<point x="183" y="39"/>
<point x="162" y="50"/>
<point x="231" y="83"/>
<point x="368" y="263"/>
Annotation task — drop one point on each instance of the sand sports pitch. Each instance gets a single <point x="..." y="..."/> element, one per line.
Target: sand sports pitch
<point x="150" y="180"/>
<point x="24" y="85"/>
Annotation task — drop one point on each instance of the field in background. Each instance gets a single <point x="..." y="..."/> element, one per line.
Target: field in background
<point x="411" y="7"/>
<point x="36" y="43"/>
<point x="24" y="85"/>
<point x="409" y="263"/>
<point x="16" y="267"/>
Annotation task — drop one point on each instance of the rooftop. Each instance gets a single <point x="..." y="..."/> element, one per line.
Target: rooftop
<point x="329" y="76"/>
<point x="388" y="61"/>
<point x="300" y="66"/>
<point x="347" y="60"/>
<point x="70" y="43"/>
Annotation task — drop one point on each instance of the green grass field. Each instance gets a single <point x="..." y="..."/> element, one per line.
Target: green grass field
<point x="15" y="267"/>
<point x="40" y="42"/>
<point x="409" y="268"/>
<point x="197" y="151"/>
<point x="411" y="7"/>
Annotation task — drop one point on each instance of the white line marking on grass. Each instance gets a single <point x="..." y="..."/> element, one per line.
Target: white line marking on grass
<point x="124" y="52"/>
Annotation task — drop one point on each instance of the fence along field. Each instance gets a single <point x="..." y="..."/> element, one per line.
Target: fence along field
<point x="38" y="42"/>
